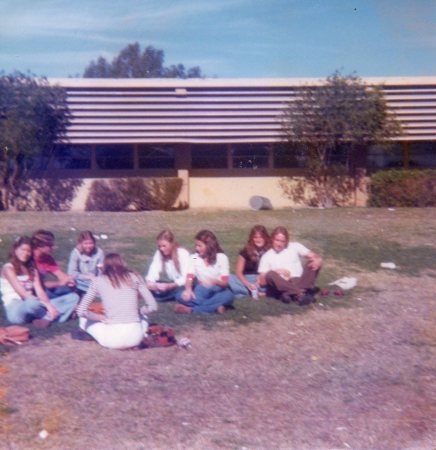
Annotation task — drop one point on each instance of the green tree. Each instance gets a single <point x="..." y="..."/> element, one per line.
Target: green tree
<point x="132" y="63"/>
<point x="33" y="115"/>
<point x="329" y="129"/>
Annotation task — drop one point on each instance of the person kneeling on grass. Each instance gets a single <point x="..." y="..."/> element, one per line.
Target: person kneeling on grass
<point x="121" y="326"/>
<point x="282" y="272"/>
<point x="206" y="288"/>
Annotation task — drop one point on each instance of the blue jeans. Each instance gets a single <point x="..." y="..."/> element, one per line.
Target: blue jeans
<point x="208" y="299"/>
<point x="237" y="286"/>
<point x="24" y="311"/>
<point x="65" y="304"/>
<point x="83" y="284"/>
<point x="57" y="291"/>
<point x="167" y="295"/>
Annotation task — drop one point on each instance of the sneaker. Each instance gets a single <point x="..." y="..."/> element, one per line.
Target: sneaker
<point x="286" y="298"/>
<point x="41" y="323"/>
<point x="305" y="299"/>
<point x="79" y="335"/>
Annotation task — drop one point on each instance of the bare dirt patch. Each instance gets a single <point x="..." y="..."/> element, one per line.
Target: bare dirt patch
<point x="361" y="377"/>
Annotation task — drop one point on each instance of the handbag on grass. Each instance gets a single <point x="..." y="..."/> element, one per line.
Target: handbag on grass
<point x="159" y="336"/>
<point x="14" y="334"/>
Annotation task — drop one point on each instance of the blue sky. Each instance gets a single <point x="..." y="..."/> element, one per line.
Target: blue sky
<point x="226" y="38"/>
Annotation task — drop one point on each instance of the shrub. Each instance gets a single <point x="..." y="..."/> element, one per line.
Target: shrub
<point x="133" y="194"/>
<point x="397" y="188"/>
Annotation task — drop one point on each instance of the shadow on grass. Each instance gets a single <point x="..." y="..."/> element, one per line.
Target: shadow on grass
<point x="245" y="312"/>
<point x="367" y="255"/>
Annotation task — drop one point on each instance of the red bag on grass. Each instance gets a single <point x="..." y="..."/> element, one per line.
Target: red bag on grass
<point x="14" y="334"/>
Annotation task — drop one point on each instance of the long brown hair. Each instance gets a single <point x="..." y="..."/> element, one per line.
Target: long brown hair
<point x="85" y="236"/>
<point x="212" y="245"/>
<point x="116" y="270"/>
<point x="16" y="263"/>
<point x="168" y="236"/>
<point x="250" y="247"/>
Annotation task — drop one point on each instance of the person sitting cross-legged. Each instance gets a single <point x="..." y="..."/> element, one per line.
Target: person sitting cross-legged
<point x="166" y="276"/>
<point x="283" y="273"/>
<point x="206" y="288"/>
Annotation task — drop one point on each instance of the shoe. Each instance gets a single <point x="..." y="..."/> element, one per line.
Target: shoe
<point x="41" y="324"/>
<point x="306" y="299"/>
<point x="287" y="298"/>
<point x="79" y="335"/>
<point x="182" y="309"/>
<point x="314" y="290"/>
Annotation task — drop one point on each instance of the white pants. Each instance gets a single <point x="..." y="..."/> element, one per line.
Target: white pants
<point x="115" y="335"/>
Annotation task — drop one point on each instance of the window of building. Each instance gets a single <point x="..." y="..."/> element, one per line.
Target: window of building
<point x="114" y="157"/>
<point x="285" y="158"/>
<point x="209" y="156"/>
<point x="249" y="156"/>
<point x="385" y="157"/>
<point x="422" y="154"/>
<point x="39" y="161"/>
<point x="71" y="157"/>
<point x="156" y="157"/>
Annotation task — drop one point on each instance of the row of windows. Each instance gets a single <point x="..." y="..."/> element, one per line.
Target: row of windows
<point x="122" y="157"/>
<point x="236" y="156"/>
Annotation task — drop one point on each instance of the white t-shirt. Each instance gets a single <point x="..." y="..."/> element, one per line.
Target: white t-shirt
<point x="214" y="272"/>
<point x="289" y="259"/>
<point x="8" y="293"/>
<point x="173" y="274"/>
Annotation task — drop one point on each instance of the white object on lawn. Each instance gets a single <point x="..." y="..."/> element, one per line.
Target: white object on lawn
<point x="388" y="265"/>
<point x="345" y="283"/>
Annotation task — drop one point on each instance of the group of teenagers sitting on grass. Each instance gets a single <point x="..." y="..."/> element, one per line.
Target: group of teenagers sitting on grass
<point x="35" y="289"/>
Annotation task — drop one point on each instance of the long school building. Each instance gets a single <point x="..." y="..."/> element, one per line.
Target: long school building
<point x="219" y="135"/>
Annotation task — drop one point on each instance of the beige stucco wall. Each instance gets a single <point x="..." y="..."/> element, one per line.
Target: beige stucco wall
<point x="225" y="192"/>
<point x="235" y="193"/>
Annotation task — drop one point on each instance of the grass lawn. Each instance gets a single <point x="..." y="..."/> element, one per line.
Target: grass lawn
<point x="264" y="375"/>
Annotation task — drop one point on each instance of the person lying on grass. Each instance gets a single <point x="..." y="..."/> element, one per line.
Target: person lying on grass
<point x="23" y="295"/>
<point x="121" y="326"/>
<point x="282" y="271"/>
<point x="206" y="288"/>
<point x="166" y="276"/>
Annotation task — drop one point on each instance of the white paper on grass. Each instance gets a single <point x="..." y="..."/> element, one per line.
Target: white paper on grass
<point x="345" y="283"/>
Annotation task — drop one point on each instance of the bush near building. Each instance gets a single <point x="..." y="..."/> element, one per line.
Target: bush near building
<point x="403" y="188"/>
<point x="134" y="194"/>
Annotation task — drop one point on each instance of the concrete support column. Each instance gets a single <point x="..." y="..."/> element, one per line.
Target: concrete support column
<point x="183" y="200"/>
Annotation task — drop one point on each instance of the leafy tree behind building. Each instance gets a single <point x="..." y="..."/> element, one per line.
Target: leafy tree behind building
<point x="329" y="129"/>
<point x="33" y="115"/>
<point x="131" y="62"/>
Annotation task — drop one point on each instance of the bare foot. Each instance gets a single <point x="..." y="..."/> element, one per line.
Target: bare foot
<point x="182" y="309"/>
<point x="221" y="309"/>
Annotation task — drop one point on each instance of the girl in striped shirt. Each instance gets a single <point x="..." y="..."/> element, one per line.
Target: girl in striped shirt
<point x="119" y="289"/>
